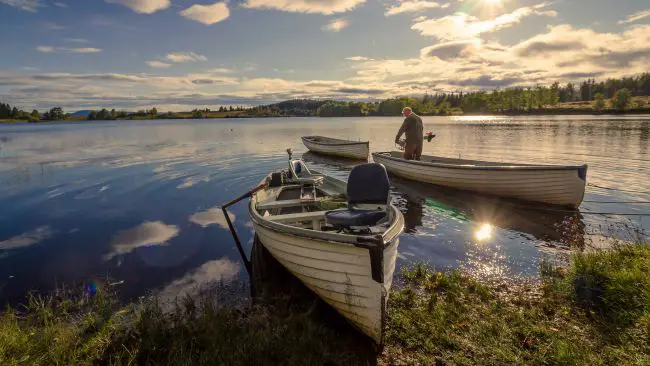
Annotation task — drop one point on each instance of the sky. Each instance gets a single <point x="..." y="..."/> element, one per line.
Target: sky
<point x="183" y="54"/>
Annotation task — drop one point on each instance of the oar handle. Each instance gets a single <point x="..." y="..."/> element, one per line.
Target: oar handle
<point x="246" y="195"/>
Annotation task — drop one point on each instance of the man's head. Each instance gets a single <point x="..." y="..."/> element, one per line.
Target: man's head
<point x="407" y="111"/>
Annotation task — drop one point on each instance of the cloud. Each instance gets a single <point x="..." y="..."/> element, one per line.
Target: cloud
<point x="143" y="6"/>
<point x="534" y="48"/>
<point x="45" y="49"/>
<point x="209" y="272"/>
<point x="182" y="57"/>
<point x="464" y="26"/>
<point x="158" y="64"/>
<point x="61" y="5"/>
<point x="212" y="216"/>
<point x="144" y="235"/>
<point x="336" y="25"/>
<point x="636" y="16"/>
<point x="54" y="26"/>
<point x="76" y="40"/>
<point x="411" y="6"/>
<point x="221" y="70"/>
<point x="326" y="7"/>
<point x="27" y="5"/>
<point x="358" y="58"/>
<point x="207" y="14"/>
<point x="27" y="239"/>
<point x="450" y="50"/>
<point x="50" y="49"/>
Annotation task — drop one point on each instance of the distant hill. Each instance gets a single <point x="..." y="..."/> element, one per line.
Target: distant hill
<point x="82" y="113"/>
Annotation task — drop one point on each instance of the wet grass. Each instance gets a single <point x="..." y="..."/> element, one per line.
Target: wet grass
<point x="596" y="312"/>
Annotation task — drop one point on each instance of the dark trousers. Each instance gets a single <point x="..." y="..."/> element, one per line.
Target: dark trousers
<point x="413" y="152"/>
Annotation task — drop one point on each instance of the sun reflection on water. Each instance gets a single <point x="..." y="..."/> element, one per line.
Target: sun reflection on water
<point x="484" y="232"/>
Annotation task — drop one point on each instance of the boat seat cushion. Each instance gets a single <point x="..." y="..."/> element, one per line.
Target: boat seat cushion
<point x="354" y="217"/>
<point x="368" y="184"/>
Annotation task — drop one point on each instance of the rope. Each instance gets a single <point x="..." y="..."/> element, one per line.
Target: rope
<point x="615" y="189"/>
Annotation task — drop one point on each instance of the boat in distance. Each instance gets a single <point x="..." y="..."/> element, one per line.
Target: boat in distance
<point x="550" y="184"/>
<point x="339" y="239"/>
<point x="337" y="147"/>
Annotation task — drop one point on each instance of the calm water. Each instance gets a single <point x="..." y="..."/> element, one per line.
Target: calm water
<point x="137" y="201"/>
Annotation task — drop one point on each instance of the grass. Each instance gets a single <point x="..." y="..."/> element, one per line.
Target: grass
<point x="596" y="312"/>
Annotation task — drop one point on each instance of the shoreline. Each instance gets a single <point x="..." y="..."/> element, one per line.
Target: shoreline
<point x="593" y="312"/>
<point x="564" y="112"/>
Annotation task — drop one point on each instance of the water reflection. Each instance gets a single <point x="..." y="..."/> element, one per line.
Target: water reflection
<point x="547" y="224"/>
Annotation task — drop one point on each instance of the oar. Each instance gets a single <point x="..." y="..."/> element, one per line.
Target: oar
<point x="232" y="228"/>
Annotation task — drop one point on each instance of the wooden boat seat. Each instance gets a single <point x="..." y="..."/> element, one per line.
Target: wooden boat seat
<point x="286" y="203"/>
<point x="303" y="216"/>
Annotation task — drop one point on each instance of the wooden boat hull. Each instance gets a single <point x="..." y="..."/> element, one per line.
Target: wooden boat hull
<point x="335" y="147"/>
<point x="556" y="185"/>
<point x="352" y="274"/>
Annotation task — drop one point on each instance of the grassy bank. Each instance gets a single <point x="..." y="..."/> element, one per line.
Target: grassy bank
<point x="596" y="312"/>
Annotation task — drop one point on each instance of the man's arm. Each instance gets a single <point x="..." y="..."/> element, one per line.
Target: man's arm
<point x="402" y="130"/>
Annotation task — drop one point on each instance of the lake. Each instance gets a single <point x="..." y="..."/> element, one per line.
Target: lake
<point x="136" y="201"/>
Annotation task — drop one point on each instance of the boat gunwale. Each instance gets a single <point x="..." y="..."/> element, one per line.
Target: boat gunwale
<point x="342" y="143"/>
<point x="510" y="167"/>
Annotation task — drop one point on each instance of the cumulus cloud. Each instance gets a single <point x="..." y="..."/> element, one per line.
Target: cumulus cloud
<point x="336" y="25"/>
<point x="450" y="50"/>
<point x="207" y="14"/>
<point x="27" y="239"/>
<point x="411" y="6"/>
<point x="144" y="235"/>
<point x="464" y="26"/>
<point x="158" y="64"/>
<point x="182" y="57"/>
<point x="305" y="6"/>
<point x="636" y="17"/>
<point x="27" y="5"/>
<point x="143" y="6"/>
<point x="50" y="49"/>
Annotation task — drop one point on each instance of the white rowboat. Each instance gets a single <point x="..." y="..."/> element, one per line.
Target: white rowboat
<point x="337" y="147"/>
<point x="550" y="184"/>
<point x="349" y="266"/>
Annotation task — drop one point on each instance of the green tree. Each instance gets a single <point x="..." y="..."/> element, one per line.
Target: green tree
<point x="599" y="102"/>
<point x="113" y="114"/>
<point x="35" y="114"/>
<point x="621" y="99"/>
<point x="55" y="114"/>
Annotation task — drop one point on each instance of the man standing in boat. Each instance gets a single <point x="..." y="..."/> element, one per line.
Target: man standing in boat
<point x="414" y="131"/>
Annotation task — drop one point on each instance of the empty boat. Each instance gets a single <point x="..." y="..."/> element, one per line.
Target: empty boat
<point x="551" y="184"/>
<point x="337" y="147"/>
<point x="340" y="239"/>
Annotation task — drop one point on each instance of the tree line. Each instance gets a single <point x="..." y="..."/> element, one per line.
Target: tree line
<point x="12" y="112"/>
<point x="534" y="99"/>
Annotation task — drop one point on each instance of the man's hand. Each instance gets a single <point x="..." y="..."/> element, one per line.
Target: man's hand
<point x="401" y="144"/>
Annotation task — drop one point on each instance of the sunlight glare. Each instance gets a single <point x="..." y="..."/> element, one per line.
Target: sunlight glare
<point x="493" y="2"/>
<point x="484" y="232"/>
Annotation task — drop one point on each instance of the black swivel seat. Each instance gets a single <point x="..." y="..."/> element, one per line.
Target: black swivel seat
<point x="368" y="185"/>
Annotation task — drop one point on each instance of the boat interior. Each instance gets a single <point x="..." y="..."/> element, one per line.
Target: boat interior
<point x="306" y="199"/>
<point x="330" y="140"/>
